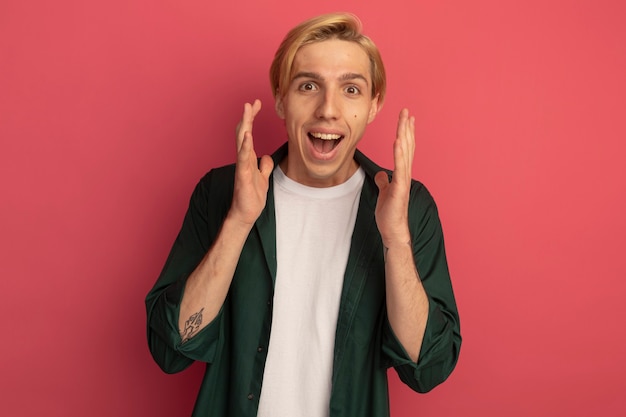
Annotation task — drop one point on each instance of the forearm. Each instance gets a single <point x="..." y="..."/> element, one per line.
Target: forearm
<point x="407" y="302"/>
<point x="207" y="286"/>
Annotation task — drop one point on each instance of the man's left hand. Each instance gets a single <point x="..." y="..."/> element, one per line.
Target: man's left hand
<point x="393" y="200"/>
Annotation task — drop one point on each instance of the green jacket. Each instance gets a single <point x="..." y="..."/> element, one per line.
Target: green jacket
<point x="234" y="344"/>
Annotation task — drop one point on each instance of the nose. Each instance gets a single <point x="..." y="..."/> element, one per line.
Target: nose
<point x="328" y="107"/>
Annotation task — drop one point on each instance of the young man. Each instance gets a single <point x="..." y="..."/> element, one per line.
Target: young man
<point x="302" y="277"/>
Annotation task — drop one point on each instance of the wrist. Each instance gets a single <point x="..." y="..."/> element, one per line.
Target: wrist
<point x="398" y="239"/>
<point x="234" y="224"/>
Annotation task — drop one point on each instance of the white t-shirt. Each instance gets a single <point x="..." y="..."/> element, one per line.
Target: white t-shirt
<point x="313" y="231"/>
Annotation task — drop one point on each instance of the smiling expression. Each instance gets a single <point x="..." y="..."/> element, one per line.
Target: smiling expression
<point x="326" y="107"/>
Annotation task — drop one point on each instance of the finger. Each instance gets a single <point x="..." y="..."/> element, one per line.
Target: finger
<point x="407" y="139"/>
<point x="402" y="119"/>
<point x="409" y="148"/>
<point x="401" y="148"/>
<point x="240" y="131"/>
<point x="405" y="135"/>
<point x="410" y="129"/>
<point x="245" y="150"/>
<point x="400" y="163"/>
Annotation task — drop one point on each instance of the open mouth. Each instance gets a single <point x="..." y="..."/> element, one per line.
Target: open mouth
<point x="324" y="142"/>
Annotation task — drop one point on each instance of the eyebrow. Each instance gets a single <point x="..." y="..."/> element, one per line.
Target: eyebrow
<point x="345" y="77"/>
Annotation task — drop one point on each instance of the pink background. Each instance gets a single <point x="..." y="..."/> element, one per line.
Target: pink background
<point x="111" y="111"/>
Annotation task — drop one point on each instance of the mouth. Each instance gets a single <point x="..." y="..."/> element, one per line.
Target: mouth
<point x="324" y="142"/>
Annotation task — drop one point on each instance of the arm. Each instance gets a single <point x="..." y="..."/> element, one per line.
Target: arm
<point x="407" y="302"/>
<point x="196" y="277"/>
<point x="423" y="337"/>
<point x="208" y="284"/>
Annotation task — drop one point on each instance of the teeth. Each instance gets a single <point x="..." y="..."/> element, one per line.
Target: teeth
<point x="325" y="136"/>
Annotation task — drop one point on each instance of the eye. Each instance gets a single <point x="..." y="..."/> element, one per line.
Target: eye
<point x="353" y="90"/>
<point x="308" y="86"/>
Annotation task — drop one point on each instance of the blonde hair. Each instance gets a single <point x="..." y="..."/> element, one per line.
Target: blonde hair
<point x="343" y="26"/>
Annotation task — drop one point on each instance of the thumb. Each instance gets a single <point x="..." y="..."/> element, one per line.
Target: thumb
<point x="266" y="165"/>
<point x="382" y="180"/>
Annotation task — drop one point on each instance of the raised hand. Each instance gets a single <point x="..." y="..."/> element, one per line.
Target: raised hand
<point x="393" y="198"/>
<point x="407" y="302"/>
<point x="208" y="284"/>
<point x="251" y="179"/>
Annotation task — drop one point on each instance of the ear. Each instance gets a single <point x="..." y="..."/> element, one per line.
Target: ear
<point x="279" y="106"/>
<point x="374" y="109"/>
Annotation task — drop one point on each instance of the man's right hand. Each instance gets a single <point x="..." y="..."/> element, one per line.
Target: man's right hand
<point x="251" y="178"/>
<point x="208" y="284"/>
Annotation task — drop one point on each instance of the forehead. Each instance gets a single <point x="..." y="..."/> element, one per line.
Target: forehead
<point x="332" y="58"/>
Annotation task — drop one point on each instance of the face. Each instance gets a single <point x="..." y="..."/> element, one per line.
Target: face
<point x="326" y="108"/>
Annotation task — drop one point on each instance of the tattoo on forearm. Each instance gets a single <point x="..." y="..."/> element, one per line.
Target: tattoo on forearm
<point x="386" y="249"/>
<point x="191" y="326"/>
